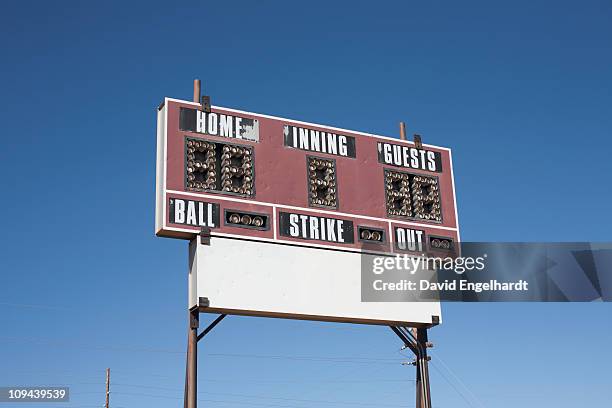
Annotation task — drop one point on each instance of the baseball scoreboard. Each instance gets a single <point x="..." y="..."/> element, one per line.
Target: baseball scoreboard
<point x="263" y="178"/>
<point x="305" y="195"/>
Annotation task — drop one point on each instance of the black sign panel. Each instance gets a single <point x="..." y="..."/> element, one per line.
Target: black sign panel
<point x="408" y="239"/>
<point x="409" y="157"/>
<point x="218" y="124"/>
<point x="315" y="228"/>
<point x="319" y="141"/>
<point x="194" y="213"/>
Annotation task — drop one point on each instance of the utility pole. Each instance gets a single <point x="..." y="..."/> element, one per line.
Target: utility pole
<point x="423" y="390"/>
<point x="416" y="340"/>
<point x="107" y="387"/>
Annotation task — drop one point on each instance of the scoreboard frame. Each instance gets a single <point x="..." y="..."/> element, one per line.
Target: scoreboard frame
<point x="249" y="129"/>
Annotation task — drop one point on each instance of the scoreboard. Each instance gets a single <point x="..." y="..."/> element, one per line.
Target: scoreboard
<point x="268" y="179"/>
<point x="300" y="209"/>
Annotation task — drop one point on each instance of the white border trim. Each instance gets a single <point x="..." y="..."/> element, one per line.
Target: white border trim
<point x="318" y="211"/>
<point x="279" y="241"/>
<point x="452" y="174"/>
<point x="274" y="220"/>
<point x="161" y="169"/>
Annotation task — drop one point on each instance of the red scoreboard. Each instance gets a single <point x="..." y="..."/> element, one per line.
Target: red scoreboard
<point x="265" y="178"/>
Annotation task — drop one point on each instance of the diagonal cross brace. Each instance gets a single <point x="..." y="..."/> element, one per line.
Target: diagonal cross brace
<point x="211" y="326"/>
<point x="406" y="337"/>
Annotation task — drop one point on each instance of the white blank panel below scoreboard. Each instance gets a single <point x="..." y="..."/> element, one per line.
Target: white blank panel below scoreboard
<point x="264" y="279"/>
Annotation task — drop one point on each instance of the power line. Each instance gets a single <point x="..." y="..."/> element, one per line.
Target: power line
<point x="233" y="381"/>
<point x="438" y="358"/>
<point x="452" y="385"/>
<point x="251" y="403"/>
<point x="356" y="360"/>
<point x="32" y="306"/>
<point x="312" y="381"/>
<point x="304" y="400"/>
<point x="261" y="396"/>
<point x="349" y="360"/>
<point x="89" y="406"/>
<point x="63" y="343"/>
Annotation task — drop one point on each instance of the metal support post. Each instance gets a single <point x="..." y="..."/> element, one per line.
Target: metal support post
<point x="192" y="359"/>
<point x="423" y="369"/>
<point x="416" y="340"/>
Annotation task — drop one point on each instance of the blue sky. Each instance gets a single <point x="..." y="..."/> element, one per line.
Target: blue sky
<point x="520" y="91"/>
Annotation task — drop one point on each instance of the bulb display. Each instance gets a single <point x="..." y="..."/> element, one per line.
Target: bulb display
<point x="237" y="170"/>
<point x="412" y="196"/>
<point x="257" y="221"/>
<point x="201" y="165"/>
<point x="212" y="166"/>
<point x="426" y="198"/>
<point x="440" y="243"/>
<point x="371" y="234"/>
<point x="397" y="189"/>
<point x="322" y="182"/>
<point x="246" y="220"/>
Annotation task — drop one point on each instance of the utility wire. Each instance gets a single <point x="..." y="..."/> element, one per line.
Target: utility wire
<point x="31" y="306"/>
<point x="467" y="401"/>
<point x="346" y="374"/>
<point x="350" y="360"/>
<point x="230" y="402"/>
<point x="364" y="404"/>
<point x="439" y="359"/>
<point x="358" y="360"/>
<point x="261" y="396"/>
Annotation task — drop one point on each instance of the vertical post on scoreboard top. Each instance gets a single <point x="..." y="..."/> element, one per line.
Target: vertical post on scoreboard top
<point x="418" y="142"/>
<point x="197" y="86"/>
<point x="402" y="131"/>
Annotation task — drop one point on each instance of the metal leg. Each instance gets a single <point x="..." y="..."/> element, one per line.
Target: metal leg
<point x="423" y="368"/>
<point x="419" y="387"/>
<point x="416" y="341"/>
<point x="186" y="372"/>
<point x="192" y="359"/>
